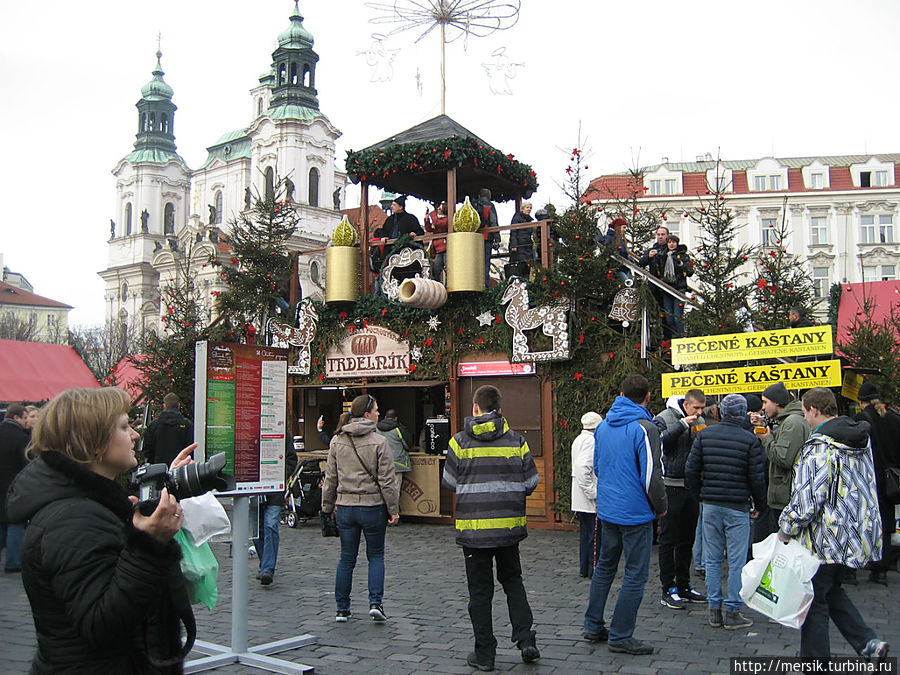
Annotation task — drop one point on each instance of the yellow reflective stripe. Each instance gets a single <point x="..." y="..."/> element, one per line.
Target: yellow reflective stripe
<point x="483" y="427"/>
<point x="491" y="523"/>
<point x="473" y="453"/>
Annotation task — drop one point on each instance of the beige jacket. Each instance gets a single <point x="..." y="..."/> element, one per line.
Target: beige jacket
<point x="347" y="483"/>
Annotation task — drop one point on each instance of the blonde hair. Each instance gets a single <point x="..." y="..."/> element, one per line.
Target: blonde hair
<point x="79" y="422"/>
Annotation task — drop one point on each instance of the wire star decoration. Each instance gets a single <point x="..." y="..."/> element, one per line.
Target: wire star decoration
<point x="460" y="18"/>
<point x="415" y="353"/>
<point x="485" y="318"/>
<point x="433" y="323"/>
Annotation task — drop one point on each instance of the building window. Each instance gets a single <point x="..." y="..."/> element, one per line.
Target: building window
<point x="270" y="185"/>
<point x="870" y="273"/>
<point x="886" y="229"/>
<point x="259" y="106"/>
<point x="125" y="290"/>
<point x="774" y="182"/>
<point x="674" y="227"/>
<point x="816" y="181"/>
<point x="867" y="229"/>
<point x="888" y="272"/>
<point x="865" y="179"/>
<point x="763" y="183"/>
<point x="881" y="179"/>
<point x="219" y="207"/>
<point x="128" y="218"/>
<point x="767" y="226"/>
<point x="671" y="186"/>
<point x="314" y="187"/>
<point x="655" y="188"/>
<point x="818" y="230"/>
<point x="820" y="282"/>
<point x="759" y="183"/>
<point x="169" y="219"/>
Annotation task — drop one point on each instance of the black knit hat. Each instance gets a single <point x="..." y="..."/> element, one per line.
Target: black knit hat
<point x="754" y="402"/>
<point x="868" y="391"/>
<point x="778" y="394"/>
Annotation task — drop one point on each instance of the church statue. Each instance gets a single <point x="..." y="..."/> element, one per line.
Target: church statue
<point x="289" y="189"/>
<point x="336" y="198"/>
<point x="112" y="228"/>
<point x="248" y="198"/>
<point x="157" y="246"/>
<point x="212" y="213"/>
<point x="145" y="220"/>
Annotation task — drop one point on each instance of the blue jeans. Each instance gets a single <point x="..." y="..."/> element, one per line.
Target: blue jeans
<point x="637" y="542"/>
<point x="698" y="542"/>
<point x="11" y="535"/>
<point x="674" y="310"/>
<point x="353" y="521"/>
<point x="267" y="544"/>
<point x="724" y="530"/>
<point x="831" y="601"/>
<point x="488" y="250"/>
<point x="437" y="267"/>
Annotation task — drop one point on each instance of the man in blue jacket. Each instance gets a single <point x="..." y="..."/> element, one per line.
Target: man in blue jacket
<point x="630" y="496"/>
<point x="491" y="470"/>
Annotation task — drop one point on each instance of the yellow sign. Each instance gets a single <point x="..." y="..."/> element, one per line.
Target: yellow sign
<point x="766" y="344"/>
<point x="747" y="380"/>
<point x="852" y="383"/>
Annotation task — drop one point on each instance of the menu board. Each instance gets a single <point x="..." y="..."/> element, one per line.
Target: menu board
<point x="245" y="412"/>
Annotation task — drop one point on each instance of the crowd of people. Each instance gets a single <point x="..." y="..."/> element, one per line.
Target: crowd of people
<point x="769" y="465"/>
<point x="708" y="477"/>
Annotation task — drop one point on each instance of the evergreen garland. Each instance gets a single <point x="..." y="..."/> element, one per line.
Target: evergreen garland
<point x="378" y="165"/>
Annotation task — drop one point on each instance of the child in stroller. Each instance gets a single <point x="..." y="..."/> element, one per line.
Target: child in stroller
<point x="303" y="492"/>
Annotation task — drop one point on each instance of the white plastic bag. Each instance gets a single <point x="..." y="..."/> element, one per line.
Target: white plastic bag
<point x="777" y="582"/>
<point x="204" y="518"/>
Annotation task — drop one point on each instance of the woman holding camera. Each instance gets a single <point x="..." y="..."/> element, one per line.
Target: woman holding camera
<point x="360" y="488"/>
<point x="104" y="581"/>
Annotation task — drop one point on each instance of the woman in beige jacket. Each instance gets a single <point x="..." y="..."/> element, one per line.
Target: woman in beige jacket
<point x="360" y="490"/>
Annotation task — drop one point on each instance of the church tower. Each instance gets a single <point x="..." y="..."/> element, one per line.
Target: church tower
<point x="151" y="209"/>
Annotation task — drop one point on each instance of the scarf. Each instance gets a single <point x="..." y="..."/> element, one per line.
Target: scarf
<point x="669" y="272"/>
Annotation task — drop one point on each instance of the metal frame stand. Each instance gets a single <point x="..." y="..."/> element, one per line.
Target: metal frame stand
<point x="254" y="657"/>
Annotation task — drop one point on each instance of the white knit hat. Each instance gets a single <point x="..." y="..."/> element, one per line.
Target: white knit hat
<point x="590" y="420"/>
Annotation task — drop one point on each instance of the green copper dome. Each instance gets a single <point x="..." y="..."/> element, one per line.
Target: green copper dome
<point x="156" y="89"/>
<point x="295" y="36"/>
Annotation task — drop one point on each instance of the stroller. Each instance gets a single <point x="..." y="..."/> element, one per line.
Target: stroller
<point x="303" y="492"/>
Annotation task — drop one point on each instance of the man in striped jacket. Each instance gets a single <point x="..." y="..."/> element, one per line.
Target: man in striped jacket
<point x="490" y="468"/>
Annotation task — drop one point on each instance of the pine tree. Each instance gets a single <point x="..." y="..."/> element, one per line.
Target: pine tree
<point x="260" y="258"/>
<point x="643" y="220"/>
<point x="875" y="344"/>
<point x="167" y="362"/>
<point x="782" y="281"/>
<point x="720" y="276"/>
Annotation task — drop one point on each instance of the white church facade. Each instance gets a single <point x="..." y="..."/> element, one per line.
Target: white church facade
<point x="170" y="218"/>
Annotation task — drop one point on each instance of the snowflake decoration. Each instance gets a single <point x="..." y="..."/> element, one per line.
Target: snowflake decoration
<point x="459" y="18"/>
<point x="433" y="323"/>
<point x="415" y="353"/>
<point x="485" y="319"/>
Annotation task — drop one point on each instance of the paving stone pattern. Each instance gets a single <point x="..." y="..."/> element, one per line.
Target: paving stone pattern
<point x="428" y="628"/>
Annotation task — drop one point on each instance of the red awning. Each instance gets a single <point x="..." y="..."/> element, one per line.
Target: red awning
<point x="880" y="295"/>
<point x="37" y="371"/>
<point x="126" y="376"/>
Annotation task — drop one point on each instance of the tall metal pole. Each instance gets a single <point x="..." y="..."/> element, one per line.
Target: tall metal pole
<point x="240" y="536"/>
<point x="443" y="69"/>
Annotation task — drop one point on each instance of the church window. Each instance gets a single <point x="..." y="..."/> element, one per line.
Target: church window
<point x="125" y="291"/>
<point x="293" y="73"/>
<point x="169" y="218"/>
<point x="152" y="122"/>
<point x="306" y="76"/>
<point x="164" y="123"/>
<point x="314" y="187"/>
<point x="270" y="185"/>
<point x="219" y="206"/>
<point x="259" y="106"/>
<point x="282" y="74"/>
<point x="128" y="217"/>
<point x="143" y="122"/>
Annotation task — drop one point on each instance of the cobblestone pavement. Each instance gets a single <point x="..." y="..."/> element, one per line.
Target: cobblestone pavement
<point x="428" y="628"/>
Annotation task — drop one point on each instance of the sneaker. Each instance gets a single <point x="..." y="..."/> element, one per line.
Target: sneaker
<point x="601" y="635"/>
<point x="630" y="646"/>
<point x="377" y="612"/>
<point x="715" y="618"/>
<point x="342" y="616"/>
<point x="530" y="653"/>
<point x="472" y="660"/>
<point x="672" y="600"/>
<point x="266" y="578"/>
<point x="736" y="620"/>
<point x="875" y="650"/>
<point x="691" y="595"/>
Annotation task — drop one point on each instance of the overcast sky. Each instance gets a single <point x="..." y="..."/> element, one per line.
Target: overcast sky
<point x="645" y="79"/>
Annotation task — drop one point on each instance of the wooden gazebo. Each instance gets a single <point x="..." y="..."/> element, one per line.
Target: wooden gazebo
<point x="437" y="160"/>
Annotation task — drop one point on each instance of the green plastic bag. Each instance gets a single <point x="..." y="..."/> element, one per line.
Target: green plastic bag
<point x="200" y="569"/>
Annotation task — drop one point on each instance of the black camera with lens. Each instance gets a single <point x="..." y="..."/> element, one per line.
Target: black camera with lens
<point x="190" y="480"/>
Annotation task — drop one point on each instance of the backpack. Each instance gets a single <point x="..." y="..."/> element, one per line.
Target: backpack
<point x="485" y="217"/>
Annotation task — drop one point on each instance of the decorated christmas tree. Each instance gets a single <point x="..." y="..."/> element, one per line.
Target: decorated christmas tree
<point x="721" y="277"/>
<point x="260" y="261"/>
<point x="782" y="281"/>
<point x="874" y="344"/>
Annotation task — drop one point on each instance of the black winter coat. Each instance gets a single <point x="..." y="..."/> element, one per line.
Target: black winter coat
<point x="682" y="263"/>
<point x="885" y="438"/>
<point x="726" y="467"/>
<point x="13" y="441"/>
<point x="103" y="594"/>
<point x="166" y="436"/>
<point x="521" y="239"/>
